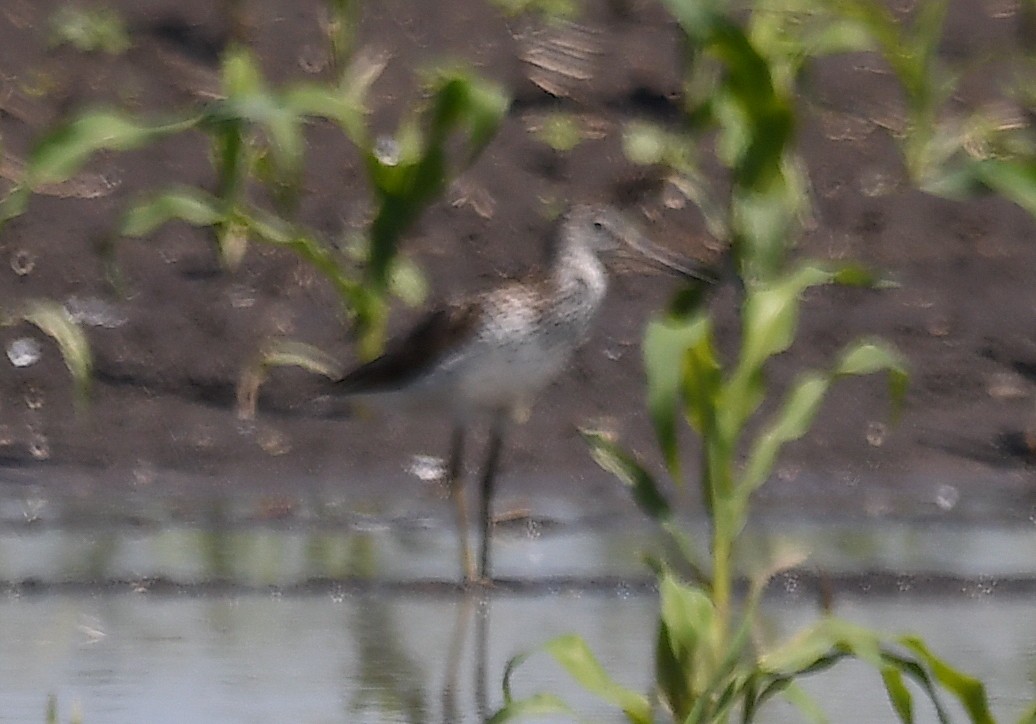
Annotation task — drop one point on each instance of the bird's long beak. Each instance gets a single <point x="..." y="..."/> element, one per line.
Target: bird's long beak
<point x="639" y="248"/>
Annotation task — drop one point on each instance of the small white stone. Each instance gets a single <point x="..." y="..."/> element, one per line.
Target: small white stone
<point x="946" y="497"/>
<point x="427" y="468"/>
<point x="24" y="352"/>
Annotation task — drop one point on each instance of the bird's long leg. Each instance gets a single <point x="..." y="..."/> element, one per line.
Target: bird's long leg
<point x="496" y="436"/>
<point x="455" y="480"/>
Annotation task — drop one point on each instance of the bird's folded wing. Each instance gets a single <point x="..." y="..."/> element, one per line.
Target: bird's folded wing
<point x="441" y="332"/>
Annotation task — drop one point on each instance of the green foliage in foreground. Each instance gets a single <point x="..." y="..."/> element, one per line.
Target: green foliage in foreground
<point x="712" y="661"/>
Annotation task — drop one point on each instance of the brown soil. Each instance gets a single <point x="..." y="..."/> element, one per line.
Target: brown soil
<point x="162" y="419"/>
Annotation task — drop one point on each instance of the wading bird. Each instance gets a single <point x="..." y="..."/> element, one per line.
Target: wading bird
<point x="487" y="355"/>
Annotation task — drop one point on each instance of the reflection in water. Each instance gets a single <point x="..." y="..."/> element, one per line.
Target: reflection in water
<point x="451" y="683"/>
<point x="362" y="629"/>
<point x="482" y="659"/>
<point x="128" y="658"/>
<point x="388" y="681"/>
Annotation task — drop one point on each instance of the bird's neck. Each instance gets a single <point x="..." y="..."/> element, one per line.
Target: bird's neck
<point x="577" y="272"/>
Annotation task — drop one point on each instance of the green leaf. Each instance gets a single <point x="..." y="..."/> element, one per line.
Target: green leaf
<point x="280" y="353"/>
<point x="763" y="118"/>
<point x="1028" y="716"/>
<point x="188" y="204"/>
<point x="770" y="315"/>
<point x="792" y="422"/>
<point x="575" y="656"/>
<point x="671" y="675"/>
<point x="63" y="151"/>
<point x="969" y="691"/>
<point x="868" y="357"/>
<point x="803" y="402"/>
<point x="813" y="646"/>
<point x="623" y="466"/>
<point x="899" y="694"/>
<point x="14" y="204"/>
<point x="534" y="706"/>
<point x="461" y="104"/>
<point x="806" y="704"/>
<point x="1014" y="179"/>
<point x="688" y="615"/>
<point x="769" y="321"/>
<point x="54" y="320"/>
<point x="666" y="345"/>
<point x="241" y="73"/>
<point x="764" y="221"/>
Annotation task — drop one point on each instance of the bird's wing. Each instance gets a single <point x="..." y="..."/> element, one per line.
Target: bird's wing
<point x="440" y="332"/>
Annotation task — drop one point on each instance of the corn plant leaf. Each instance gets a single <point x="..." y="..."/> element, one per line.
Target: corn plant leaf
<point x="832" y="639"/>
<point x="899" y="694"/>
<point x="671" y="675"/>
<point x="54" y="320"/>
<point x="271" y="229"/>
<point x="1028" y="716"/>
<point x="189" y="204"/>
<point x="763" y="117"/>
<point x="764" y="221"/>
<point x="101" y="29"/>
<point x="345" y="103"/>
<point x="666" y="347"/>
<point x="631" y="473"/>
<point x="248" y="101"/>
<point x="803" y="401"/>
<point x="769" y="321"/>
<point x="684" y="641"/>
<point x="813" y="646"/>
<point x="806" y="705"/>
<point x="14" y="203"/>
<point x="688" y="615"/>
<point x="793" y="31"/>
<point x="62" y="152"/>
<point x="320" y="101"/>
<point x="289" y="353"/>
<point x="969" y="691"/>
<point x="702" y="382"/>
<point x="1011" y="178"/>
<point x="868" y="357"/>
<point x="792" y="422"/>
<point x="576" y="658"/>
<point x="406" y="181"/>
<point x="771" y="314"/>
<point x="464" y="100"/>
<point x="280" y="353"/>
<point x="240" y="72"/>
<point x="538" y="705"/>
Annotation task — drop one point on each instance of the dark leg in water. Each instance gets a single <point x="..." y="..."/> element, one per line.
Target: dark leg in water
<point x="496" y="436"/>
<point x="455" y="481"/>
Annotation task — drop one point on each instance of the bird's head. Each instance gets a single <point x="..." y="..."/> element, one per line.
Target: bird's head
<point x="610" y="233"/>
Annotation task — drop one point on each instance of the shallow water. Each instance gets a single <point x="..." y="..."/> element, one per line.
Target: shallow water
<point x="233" y="619"/>
<point x="356" y="658"/>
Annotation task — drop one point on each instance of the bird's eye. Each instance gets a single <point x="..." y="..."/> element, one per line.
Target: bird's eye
<point x="598" y="226"/>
